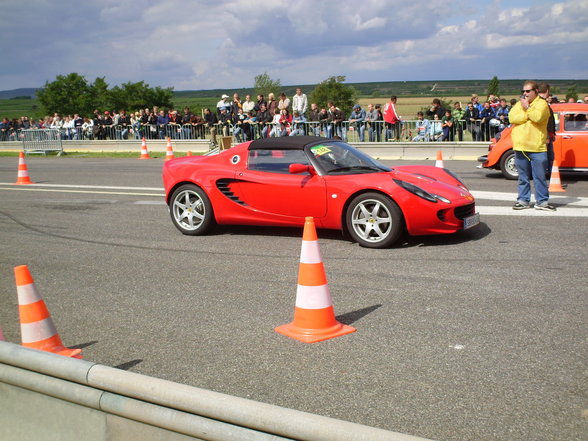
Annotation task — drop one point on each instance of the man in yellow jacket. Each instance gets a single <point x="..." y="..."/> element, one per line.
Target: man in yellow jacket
<point x="529" y="135"/>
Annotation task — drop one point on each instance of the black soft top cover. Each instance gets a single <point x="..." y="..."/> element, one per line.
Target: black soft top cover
<point x="287" y="142"/>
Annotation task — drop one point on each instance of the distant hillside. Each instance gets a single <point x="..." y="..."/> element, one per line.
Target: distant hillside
<point x="407" y="88"/>
<point x="8" y="94"/>
<point x="385" y="88"/>
<point x="19" y="102"/>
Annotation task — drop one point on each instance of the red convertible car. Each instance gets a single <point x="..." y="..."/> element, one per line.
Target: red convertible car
<point x="280" y="181"/>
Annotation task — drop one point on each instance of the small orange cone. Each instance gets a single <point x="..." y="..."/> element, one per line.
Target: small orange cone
<point x="439" y="161"/>
<point x="314" y="317"/>
<point x="36" y="326"/>
<point x="23" y="172"/>
<point x="189" y="153"/>
<point x="144" y="152"/>
<point x="169" y="154"/>
<point x="555" y="180"/>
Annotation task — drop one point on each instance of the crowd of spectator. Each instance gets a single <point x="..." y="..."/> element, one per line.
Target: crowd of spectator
<point x="247" y="119"/>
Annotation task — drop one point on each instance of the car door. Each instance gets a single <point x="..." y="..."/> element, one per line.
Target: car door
<point x="266" y="184"/>
<point x="573" y="140"/>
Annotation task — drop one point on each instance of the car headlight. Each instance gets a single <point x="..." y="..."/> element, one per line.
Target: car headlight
<point x="416" y="190"/>
<point x="442" y="199"/>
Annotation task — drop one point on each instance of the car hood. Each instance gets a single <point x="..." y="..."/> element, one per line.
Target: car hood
<point x="432" y="179"/>
<point x="423" y="174"/>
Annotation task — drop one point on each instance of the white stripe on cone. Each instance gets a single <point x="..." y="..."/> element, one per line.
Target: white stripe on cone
<point x="34" y="332"/>
<point x="27" y="294"/>
<point x="555" y="179"/>
<point x="313" y="297"/>
<point x="309" y="252"/>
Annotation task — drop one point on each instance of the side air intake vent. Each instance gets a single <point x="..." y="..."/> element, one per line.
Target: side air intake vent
<point x="224" y="186"/>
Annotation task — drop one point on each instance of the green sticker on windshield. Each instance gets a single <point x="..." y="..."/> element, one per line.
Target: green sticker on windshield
<point x="319" y="150"/>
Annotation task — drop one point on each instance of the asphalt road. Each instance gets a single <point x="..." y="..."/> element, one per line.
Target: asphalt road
<point x="476" y="336"/>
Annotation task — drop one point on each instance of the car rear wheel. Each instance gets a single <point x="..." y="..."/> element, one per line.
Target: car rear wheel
<point x="507" y="166"/>
<point x="374" y="220"/>
<point x="191" y="210"/>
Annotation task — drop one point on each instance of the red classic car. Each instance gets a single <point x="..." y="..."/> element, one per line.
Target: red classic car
<point x="280" y="181"/>
<point x="570" y="146"/>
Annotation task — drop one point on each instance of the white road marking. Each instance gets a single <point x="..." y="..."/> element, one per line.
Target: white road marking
<point x="160" y="195"/>
<point x="508" y="211"/>
<point x="149" y="203"/>
<point x="554" y="198"/>
<point x="567" y="206"/>
<point x="100" y="187"/>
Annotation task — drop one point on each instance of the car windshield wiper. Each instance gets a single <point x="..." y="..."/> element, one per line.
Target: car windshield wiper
<point x="357" y="167"/>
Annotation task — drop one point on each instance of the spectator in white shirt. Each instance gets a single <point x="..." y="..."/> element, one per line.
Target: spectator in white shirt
<point x="300" y="102"/>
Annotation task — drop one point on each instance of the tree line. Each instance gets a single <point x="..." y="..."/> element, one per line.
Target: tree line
<point x="72" y="93"/>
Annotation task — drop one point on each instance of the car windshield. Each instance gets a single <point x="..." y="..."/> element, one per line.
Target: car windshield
<point x="339" y="158"/>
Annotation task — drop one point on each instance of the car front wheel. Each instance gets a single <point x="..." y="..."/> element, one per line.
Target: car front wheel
<point x="374" y="220"/>
<point x="191" y="210"/>
<point x="507" y="166"/>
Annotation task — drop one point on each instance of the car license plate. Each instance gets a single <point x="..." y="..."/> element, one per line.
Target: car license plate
<point x="470" y="221"/>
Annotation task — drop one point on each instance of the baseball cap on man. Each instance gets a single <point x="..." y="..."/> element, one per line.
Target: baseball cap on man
<point x="224" y="96"/>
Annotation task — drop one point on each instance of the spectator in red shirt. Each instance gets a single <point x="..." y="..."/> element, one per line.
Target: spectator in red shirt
<point x="392" y="120"/>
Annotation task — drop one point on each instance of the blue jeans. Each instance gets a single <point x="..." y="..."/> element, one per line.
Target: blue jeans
<point x="361" y="130"/>
<point x="238" y="133"/>
<point x="532" y="164"/>
<point x="375" y="131"/>
<point x="329" y="130"/>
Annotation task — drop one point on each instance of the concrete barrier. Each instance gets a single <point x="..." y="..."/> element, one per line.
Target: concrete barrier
<point x="51" y="397"/>
<point x="416" y="151"/>
<point x="128" y="145"/>
<point x="389" y="151"/>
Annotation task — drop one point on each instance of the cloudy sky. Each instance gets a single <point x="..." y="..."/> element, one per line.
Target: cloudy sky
<point x="196" y="44"/>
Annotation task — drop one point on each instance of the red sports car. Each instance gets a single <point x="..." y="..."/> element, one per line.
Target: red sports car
<point x="280" y="181"/>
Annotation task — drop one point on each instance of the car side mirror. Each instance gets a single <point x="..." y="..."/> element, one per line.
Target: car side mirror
<point x="301" y="168"/>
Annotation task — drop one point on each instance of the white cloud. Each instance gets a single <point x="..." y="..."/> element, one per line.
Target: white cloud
<point x="372" y="23"/>
<point x="201" y="44"/>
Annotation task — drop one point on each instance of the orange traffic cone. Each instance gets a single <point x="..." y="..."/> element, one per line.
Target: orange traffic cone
<point x="314" y="317"/>
<point x="36" y="326"/>
<point x="189" y="153"/>
<point x="439" y="161"/>
<point x="144" y="152"/>
<point x="170" y="150"/>
<point x="23" y="172"/>
<point x="555" y="180"/>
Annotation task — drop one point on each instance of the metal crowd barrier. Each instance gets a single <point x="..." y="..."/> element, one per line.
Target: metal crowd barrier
<point x="41" y="141"/>
<point x="376" y="131"/>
